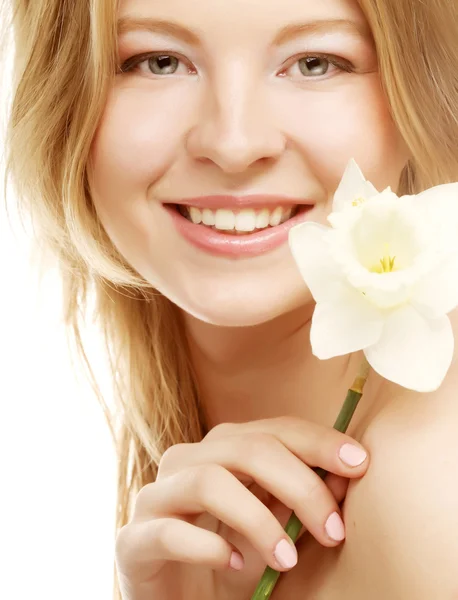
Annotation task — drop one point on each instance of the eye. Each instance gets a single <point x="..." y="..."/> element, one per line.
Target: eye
<point x="317" y="65"/>
<point x="158" y="63"/>
<point x="161" y="63"/>
<point x="313" y="65"/>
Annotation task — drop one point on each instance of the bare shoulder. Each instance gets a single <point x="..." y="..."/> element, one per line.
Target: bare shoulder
<point x="402" y="517"/>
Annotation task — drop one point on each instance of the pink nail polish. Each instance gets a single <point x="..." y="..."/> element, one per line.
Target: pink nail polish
<point x="286" y="554"/>
<point x="335" y="527"/>
<point x="237" y="561"/>
<point x="352" y="455"/>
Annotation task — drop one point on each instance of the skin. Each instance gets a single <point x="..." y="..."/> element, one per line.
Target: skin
<point x="235" y="125"/>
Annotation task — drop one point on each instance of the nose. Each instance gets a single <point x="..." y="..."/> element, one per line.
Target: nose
<point x="235" y="128"/>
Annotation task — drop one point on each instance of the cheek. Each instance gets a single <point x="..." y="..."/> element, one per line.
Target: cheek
<point x="137" y="139"/>
<point x="133" y="146"/>
<point x="352" y="121"/>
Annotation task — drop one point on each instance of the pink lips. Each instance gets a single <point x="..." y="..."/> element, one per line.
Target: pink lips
<point x="225" y="244"/>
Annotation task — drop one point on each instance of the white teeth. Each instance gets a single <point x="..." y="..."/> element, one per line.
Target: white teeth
<point x="275" y="217"/>
<point x="224" y="219"/>
<point x="245" y="220"/>
<point x="195" y="215"/>
<point x="208" y="217"/>
<point x="286" y="215"/>
<point x="242" y="221"/>
<point x="262" y="218"/>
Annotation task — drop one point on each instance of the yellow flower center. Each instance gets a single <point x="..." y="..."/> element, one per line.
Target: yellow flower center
<point x="358" y="201"/>
<point x="386" y="264"/>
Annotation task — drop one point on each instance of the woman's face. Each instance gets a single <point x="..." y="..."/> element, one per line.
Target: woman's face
<point x="240" y="98"/>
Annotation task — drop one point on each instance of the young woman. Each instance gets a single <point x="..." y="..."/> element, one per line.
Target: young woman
<point x="163" y="149"/>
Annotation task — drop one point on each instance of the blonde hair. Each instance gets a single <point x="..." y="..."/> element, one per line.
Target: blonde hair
<point x="65" y="59"/>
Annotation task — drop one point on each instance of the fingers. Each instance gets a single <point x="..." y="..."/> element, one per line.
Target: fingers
<point x="274" y="454"/>
<point x="142" y="547"/>
<point x="280" y="472"/>
<point x="211" y="488"/>
<point x="337" y="486"/>
<point x="316" y="445"/>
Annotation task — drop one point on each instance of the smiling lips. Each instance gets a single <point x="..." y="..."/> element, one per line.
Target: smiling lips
<point x="237" y="226"/>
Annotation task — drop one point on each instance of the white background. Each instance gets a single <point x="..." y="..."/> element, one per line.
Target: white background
<point x="57" y="462"/>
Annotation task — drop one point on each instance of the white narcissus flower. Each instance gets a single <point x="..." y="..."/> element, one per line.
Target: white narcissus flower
<point x="384" y="276"/>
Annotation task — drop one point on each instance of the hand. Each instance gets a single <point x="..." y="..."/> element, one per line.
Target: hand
<point x="231" y="494"/>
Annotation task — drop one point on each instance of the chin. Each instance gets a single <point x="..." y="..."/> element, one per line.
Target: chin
<point x="245" y="310"/>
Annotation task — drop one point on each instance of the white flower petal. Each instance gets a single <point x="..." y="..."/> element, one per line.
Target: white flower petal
<point x="383" y="228"/>
<point x="437" y="292"/>
<point x="311" y="253"/>
<point x="445" y="195"/>
<point x="439" y="206"/>
<point x="345" y="218"/>
<point x="413" y="351"/>
<point x="353" y="185"/>
<point x="347" y="323"/>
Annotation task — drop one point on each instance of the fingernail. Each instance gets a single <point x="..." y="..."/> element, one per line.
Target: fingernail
<point x="286" y="554"/>
<point x="237" y="561"/>
<point x="351" y="455"/>
<point x="335" y="527"/>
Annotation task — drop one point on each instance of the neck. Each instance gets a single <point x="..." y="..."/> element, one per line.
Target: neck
<point x="266" y="371"/>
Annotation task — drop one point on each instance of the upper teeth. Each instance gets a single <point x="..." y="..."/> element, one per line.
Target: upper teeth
<point x="244" y="220"/>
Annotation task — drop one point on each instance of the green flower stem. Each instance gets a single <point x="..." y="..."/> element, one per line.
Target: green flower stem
<point x="269" y="579"/>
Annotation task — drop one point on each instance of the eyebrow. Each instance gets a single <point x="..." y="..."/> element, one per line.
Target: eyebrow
<point x="130" y="23"/>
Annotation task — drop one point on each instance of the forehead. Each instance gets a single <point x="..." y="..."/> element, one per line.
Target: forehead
<point x="244" y="18"/>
